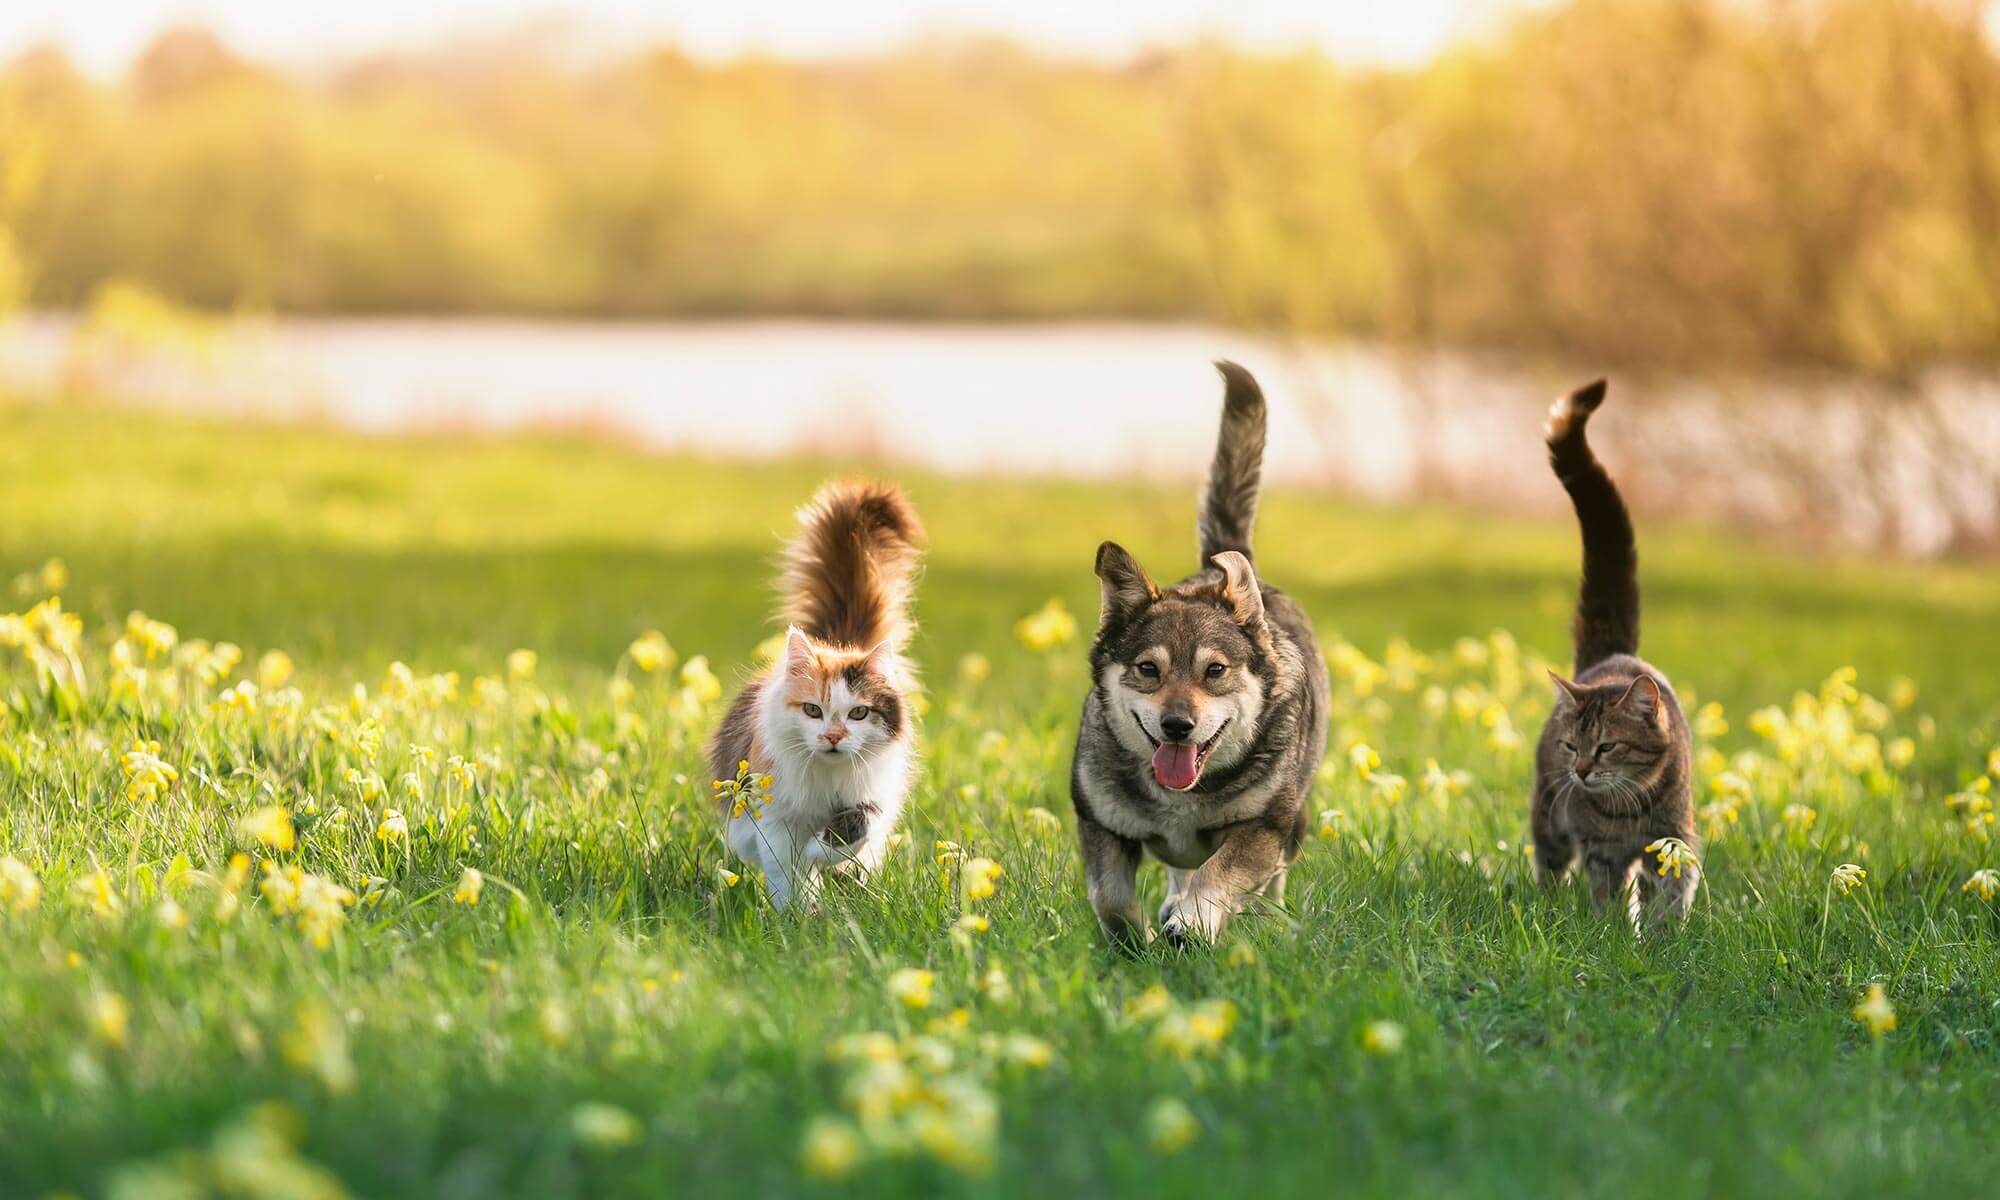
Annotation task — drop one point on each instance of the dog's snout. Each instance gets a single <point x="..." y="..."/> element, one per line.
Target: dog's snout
<point x="1177" y="728"/>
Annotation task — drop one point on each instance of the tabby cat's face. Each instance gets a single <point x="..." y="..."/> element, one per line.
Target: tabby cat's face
<point x="1610" y="735"/>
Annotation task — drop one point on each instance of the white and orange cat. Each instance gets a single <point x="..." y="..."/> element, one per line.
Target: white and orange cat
<point x="828" y="721"/>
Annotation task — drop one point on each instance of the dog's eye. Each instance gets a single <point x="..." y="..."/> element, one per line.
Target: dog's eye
<point x="812" y="710"/>
<point x="1148" y="670"/>
<point x="1215" y="670"/>
<point x="858" y="713"/>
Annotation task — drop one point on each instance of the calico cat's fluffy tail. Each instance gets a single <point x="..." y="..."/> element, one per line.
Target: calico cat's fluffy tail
<point x="1229" y="506"/>
<point x="1607" y="609"/>
<point x="850" y="571"/>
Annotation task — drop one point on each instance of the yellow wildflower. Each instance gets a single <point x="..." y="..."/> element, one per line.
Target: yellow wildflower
<point x="393" y="827"/>
<point x="1902" y="693"/>
<point x="700" y="683"/>
<point x="1047" y="627"/>
<point x="20" y="890"/>
<point x="912" y="986"/>
<point x="274" y="670"/>
<point x="1875" y="1011"/>
<point x="1985" y="883"/>
<point x="1149" y="1004"/>
<point x="1848" y="876"/>
<point x="1709" y="723"/>
<point x="650" y="652"/>
<point x="271" y="825"/>
<point x="1364" y="758"/>
<point x="1798" y="818"/>
<point x="831" y="1148"/>
<point x="980" y="876"/>
<point x="470" y="884"/>
<point x="1900" y="752"/>
<point x="146" y="773"/>
<point x="1041" y="820"/>
<point x="728" y="877"/>
<point x="1382" y="1038"/>
<point x="1170" y="1126"/>
<point x="972" y="923"/>
<point x="974" y="668"/>
<point x="1675" y="855"/>
<point x="620" y="690"/>
<point x="110" y="1019"/>
<point x="95" y="890"/>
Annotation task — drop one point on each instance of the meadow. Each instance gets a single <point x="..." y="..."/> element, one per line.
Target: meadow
<point x="355" y="840"/>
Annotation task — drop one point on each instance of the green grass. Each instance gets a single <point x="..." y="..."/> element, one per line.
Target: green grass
<point x="1547" y="1052"/>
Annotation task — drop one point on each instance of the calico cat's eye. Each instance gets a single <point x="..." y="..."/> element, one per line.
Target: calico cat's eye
<point x="1216" y="669"/>
<point x="858" y="713"/>
<point x="1148" y="670"/>
<point x="813" y="710"/>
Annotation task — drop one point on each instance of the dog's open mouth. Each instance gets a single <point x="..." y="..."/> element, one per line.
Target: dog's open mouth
<point x="1177" y="764"/>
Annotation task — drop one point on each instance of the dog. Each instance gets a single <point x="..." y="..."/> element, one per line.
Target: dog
<point x="1206" y="718"/>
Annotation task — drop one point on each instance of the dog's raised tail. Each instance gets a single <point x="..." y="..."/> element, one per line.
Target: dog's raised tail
<point x="1229" y="506"/>
<point x="1607" y="606"/>
<point x="850" y="571"/>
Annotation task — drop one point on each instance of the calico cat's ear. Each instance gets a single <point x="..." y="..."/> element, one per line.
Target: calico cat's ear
<point x="1240" y="588"/>
<point x="1127" y="587"/>
<point x="800" y="657"/>
<point x="881" y="661"/>
<point x="1643" y="697"/>
<point x="1566" y="692"/>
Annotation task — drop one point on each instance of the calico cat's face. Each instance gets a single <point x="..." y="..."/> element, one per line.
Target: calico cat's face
<point x="834" y="705"/>
<point x="1608" y="735"/>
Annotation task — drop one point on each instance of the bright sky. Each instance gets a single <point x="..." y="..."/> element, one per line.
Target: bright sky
<point x="103" y="35"/>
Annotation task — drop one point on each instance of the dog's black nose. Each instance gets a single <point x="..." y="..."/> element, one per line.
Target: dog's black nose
<point x="1176" y="728"/>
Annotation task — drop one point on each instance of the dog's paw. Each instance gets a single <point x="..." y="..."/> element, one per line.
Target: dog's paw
<point x="1186" y="923"/>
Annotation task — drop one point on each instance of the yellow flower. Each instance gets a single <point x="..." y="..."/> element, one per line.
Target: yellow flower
<point x="831" y="1148"/>
<point x="1900" y="752"/>
<point x="1985" y="883"/>
<point x="912" y="986"/>
<point x="1330" y="821"/>
<point x="994" y="985"/>
<point x="1848" y="876"/>
<point x="1364" y="758"/>
<point x="393" y="827"/>
<point x="698" y="682"/>
<point x="1170" y="1126"/>
<point x="728" y="877"/>
<point x="1709" y="723"/>
<point x="1875" y="1011"/>
<point x="1149" y="1004"/>
<point x="1675" y="855"/>
<point x="1041" y="820"/>
<point x="54" y="575"/>
<point x="1798" y="818"/>
<point x="317" y="1046"/>
<point x="521" y="665"/>
<point x="1382" y="1038"/>
<point x="274" y="670"/>
<point x="620" y="690"/>
<point x="95" y="889"/>
<point x="650" y="652"/>
<point x="281" y="887"/>
<point x="972" y="923"/>
<point x="146" y="773"/>
<point x="604" y="1126"/>
<point x="20" y="890"/>
<point x="110" y="1019"/>
<point x="271" y="825"/>
<point x="469" y="886"/>
<point x="1902" y="693"/>
<point x="974" y="668"/>
<point x="980" y="876"/>
<point x="1047" y="627"/>
<point x="172" y="915"/>
<point x="1993" y="761"/>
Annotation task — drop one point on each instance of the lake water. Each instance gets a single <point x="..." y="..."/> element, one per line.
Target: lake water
<point x="1094" y="400"/>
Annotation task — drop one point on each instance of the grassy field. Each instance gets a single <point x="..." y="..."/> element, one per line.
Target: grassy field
<point x="614" y="1017"/>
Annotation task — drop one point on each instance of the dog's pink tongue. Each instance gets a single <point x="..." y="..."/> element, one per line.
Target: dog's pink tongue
<point x="1173" y="765"/>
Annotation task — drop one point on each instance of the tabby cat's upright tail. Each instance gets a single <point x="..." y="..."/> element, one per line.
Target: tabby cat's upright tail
<point x="1607" y="609"/>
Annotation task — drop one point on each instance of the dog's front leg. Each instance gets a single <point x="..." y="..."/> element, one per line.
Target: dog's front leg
<point x="1111" y="871"/>
<point x="1248" y="857"/>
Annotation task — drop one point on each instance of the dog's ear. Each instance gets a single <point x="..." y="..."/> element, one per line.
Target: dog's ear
<point x="1240" y="587"/>
<point x="1127" y="588"/>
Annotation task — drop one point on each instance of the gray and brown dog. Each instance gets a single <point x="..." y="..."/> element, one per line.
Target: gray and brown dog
<point x="1206" y="721"/>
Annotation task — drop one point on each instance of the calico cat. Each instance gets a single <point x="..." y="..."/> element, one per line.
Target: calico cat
<point x="1614" y="766"/>
<point x="828" y="722"/>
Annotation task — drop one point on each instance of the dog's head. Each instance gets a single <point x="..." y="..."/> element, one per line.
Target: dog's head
<point x="1185" y="673"/>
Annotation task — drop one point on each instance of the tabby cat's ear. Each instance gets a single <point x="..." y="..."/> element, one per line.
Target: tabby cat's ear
<point x="1643" y="697"/>
<point x="1566" y="692"/>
